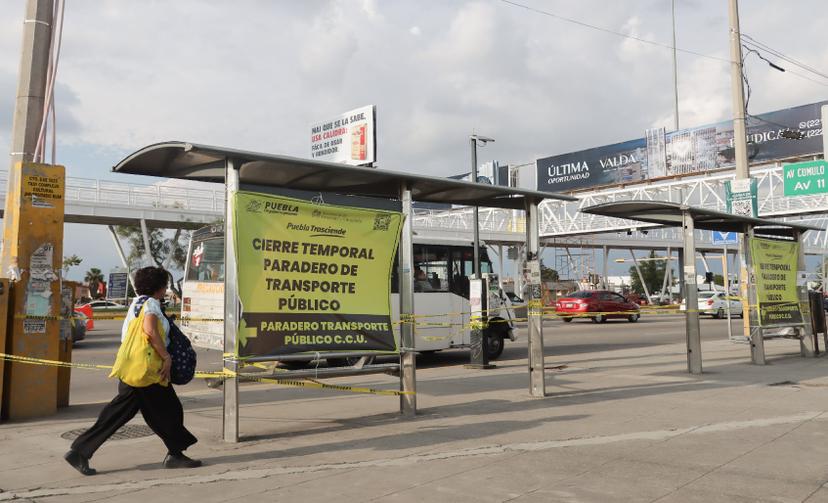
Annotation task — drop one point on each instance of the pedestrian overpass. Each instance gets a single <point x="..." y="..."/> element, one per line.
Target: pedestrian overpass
<point x="562" y="224"/>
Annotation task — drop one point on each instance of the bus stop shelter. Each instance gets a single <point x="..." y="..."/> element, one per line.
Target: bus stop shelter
<point x="691" y="218"/>
<point x="238" y="168"/>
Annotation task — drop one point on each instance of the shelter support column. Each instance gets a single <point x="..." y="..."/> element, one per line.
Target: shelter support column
<point x="230" y="425"/>
<point x="694" y="356"/>
<point x="806" y="340"/>
<point x="537" y="384"/>
<point x="408" y="356"/>
<point x="680" y="272"/>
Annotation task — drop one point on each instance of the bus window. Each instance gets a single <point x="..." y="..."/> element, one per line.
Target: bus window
<point x="430" y="269"/>
<point x="462" y="267"/>
<point x="206" y="261"/>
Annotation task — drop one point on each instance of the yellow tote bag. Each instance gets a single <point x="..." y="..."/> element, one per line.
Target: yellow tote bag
<point x="137" y="363"/>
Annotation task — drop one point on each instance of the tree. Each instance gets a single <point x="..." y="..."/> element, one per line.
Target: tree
<point x="69" y="262"/>
<point x="94" y="279"/>
<point x="653" y="273"/>
<point x="548" y="274"/>
<point x="165" y="251"/>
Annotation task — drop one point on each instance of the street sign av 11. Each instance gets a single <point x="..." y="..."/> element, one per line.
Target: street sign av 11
<point x="805" y="178"/>
<point x="724" y="238"/>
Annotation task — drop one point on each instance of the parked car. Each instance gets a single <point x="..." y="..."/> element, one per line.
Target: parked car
<point x="78" y="330"/>
<point x="86" y="311"/>
<point x="106" y="305"/>
<point x="715" y="304"/>
<point x="608" y="304"/>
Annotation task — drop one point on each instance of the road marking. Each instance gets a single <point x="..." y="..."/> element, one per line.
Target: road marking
<point x="492" y="450"/>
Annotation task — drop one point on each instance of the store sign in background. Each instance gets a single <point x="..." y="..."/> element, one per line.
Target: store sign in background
<point x="313" y="277"/>
<point x="775" y="274"/>
<point x="349" y="138"/>
<point x="687" y="151"/>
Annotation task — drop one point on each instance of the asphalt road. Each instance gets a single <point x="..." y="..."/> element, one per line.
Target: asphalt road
<point x="561" y="341"/>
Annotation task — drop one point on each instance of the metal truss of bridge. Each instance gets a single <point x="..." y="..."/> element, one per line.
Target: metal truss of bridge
<point x="563" y="224"/>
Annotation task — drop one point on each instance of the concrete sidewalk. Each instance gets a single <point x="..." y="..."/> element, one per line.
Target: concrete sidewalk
<point x="621" y="425"/>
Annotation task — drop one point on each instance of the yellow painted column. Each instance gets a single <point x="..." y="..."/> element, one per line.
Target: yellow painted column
<point x="33" y="254"/>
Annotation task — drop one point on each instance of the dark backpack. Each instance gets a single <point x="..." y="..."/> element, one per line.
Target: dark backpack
<point x="183" y="356"/>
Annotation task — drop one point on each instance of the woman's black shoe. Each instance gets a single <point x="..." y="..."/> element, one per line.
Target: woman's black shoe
<point x="180" y="461"/>
<point x="79" y="462"/>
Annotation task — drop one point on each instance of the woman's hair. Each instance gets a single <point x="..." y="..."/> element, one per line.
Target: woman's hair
<point x="149" y="280"/>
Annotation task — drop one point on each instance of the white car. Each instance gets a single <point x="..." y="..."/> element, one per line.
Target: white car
<point x="106" y="305"/>
<point x="715" y="304"/>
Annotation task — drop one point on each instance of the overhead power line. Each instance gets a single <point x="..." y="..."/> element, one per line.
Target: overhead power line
<point x="778" y="54"/>
<point x="755" y="49"/>
<point x="613" y="32"/>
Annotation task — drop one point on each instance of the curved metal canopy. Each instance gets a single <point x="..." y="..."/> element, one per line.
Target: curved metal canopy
<point x="670" y="215"/>
<point x="207" y="163"/>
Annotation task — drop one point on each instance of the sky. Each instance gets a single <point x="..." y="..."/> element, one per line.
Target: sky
<point x="255" y="74"/>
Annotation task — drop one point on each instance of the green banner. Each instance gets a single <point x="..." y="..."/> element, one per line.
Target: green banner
<point x="313" y="277"/>
<point x="775" y="270"/>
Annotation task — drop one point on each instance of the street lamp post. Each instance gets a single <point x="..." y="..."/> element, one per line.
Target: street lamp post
<point x="474" y="139"/>
<point x="477" y="290"/>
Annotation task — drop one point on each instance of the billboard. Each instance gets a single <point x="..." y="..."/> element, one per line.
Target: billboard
<point x="349" y="138"/>
<point x="684" y="152"/>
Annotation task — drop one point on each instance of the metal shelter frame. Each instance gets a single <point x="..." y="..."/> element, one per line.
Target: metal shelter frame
<point x="690" y="218"/>
<point x="235" y="168"/>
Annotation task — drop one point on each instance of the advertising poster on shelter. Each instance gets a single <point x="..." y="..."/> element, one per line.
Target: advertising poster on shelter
<point x="313" y="277"/>
<point x="774" y="265"/>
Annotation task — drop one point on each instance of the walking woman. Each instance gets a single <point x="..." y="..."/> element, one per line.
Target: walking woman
<point x="157" y="402"/>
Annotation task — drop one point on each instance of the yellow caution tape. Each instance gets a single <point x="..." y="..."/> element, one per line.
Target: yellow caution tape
<point x="225" y="374"/>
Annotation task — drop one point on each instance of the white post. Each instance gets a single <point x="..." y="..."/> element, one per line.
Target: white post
<point x="408" y="357"/>
<point x="694" y="357"/>
<point x="537" y="383"/>
<point x="231" y="309"/>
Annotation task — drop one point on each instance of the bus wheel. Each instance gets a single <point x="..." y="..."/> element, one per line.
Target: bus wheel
<point x="567" y="320"/>
<point x="349" y="361"/>
<point x="495" y="343"/>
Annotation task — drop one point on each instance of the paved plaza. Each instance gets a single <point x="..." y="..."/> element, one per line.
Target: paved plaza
<point x="623" y="421"/>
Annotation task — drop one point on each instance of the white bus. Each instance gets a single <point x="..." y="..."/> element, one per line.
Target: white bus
<point x="441" y="295"/>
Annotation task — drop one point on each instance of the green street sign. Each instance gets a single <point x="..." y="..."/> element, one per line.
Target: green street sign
<point x="805" y="178"/>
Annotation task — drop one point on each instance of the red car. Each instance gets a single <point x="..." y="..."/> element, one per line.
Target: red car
<point x="86" y="311"/>
<point x="609" y="304"/>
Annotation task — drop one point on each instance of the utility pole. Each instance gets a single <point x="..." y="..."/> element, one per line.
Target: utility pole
<point x="675" y="65"/>
<point x="31" y="98"/>
<point x="32" y="249"/>
<point x="739" y="140"/>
